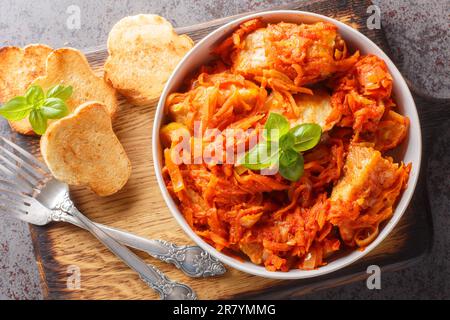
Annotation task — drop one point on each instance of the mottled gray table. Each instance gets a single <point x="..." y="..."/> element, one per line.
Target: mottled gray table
<point x="418" y="33"/>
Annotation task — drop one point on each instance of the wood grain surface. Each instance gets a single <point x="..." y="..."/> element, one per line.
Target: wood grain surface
<point x="140" y="209"/>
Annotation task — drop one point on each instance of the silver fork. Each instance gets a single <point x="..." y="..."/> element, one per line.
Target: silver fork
<point x="192" y="260"/>
<point x="34" y="197"/>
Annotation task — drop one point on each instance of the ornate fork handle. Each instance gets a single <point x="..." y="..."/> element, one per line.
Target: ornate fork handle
<point x="168" y="290"/>
<point x="192" y="260"/>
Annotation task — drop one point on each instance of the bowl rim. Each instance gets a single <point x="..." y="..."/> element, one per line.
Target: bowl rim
<point x="247" y="266"/>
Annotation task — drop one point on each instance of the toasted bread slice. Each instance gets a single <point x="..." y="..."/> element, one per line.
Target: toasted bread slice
<point x="70" y="67"/>
<point x="143" y="52"/>
<point x="18" y="68"/>
<point x="82" y="149"/>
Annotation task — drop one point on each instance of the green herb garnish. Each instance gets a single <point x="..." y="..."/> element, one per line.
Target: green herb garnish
<point x="38" y="106"/>
<point x="291" y="142"/>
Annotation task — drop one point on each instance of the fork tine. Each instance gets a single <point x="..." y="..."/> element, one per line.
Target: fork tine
<point x="13" y="204"/>
<point x="19" y="185"/>
<point x="20" y="197"/>
<point x="19" y="215"/>
<point x="8" y="183"/>
<point x="26" y="154"/>
<point x="15" y="186"/>
<point x="13" y="213"/>
<point x="28" y="167"/>
<point x="17" y="169"/>
<point x="24" y="184"/>
<point x="24" y="208"/>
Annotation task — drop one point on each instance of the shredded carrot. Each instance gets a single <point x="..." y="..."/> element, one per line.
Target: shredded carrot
<point x="174" y="171"/>
<point x="277" y="223"/>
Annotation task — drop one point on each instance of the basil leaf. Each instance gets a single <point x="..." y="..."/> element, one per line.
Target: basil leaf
<point x="288" y="157"/>
<point x="306" y="136"/>
<point x="38" y="121"/>
<point x="259" y="157"/>
<point x="16" y="109"/>
<point x="294" y="171"/>
<point x="60" y="91"/>
<point x="287" y="141"/>
<point x="275" y="121"/>
<point x="54" y="108"/>
<point x="35" y="95"/>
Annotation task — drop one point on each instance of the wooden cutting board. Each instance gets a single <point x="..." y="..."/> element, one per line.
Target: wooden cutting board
<point x="140" y="209"/>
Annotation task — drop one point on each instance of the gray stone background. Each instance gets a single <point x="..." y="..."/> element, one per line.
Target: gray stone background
<point x="419" y="36"/>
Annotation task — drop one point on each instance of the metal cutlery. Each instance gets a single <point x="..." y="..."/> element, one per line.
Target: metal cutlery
<point x="29" y="193"/>
<point x="192" y="260"/>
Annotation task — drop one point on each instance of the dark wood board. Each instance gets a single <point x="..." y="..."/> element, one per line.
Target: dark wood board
<point x="139" y="208"/>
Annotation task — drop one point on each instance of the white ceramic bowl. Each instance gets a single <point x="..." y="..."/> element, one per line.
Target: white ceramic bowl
<point x="409" y="151"/>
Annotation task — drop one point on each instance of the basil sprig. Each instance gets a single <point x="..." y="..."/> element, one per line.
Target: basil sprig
<point x="38" y="106"/>
<point x="291" y="142"/>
